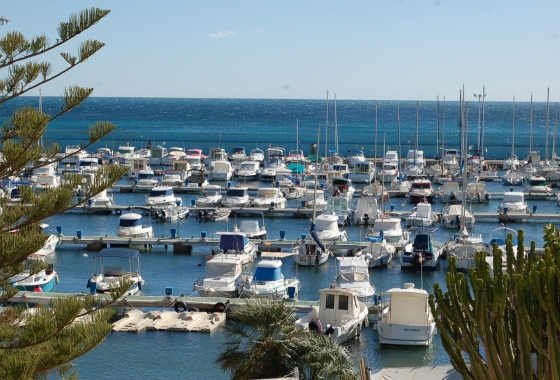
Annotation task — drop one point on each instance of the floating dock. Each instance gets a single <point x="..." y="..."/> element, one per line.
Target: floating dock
<point x="137" y="320"/>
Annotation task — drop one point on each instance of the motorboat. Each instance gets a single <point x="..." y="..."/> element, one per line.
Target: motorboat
<point x="362" y="172"/>
<point x="172" y="156"/>
<point x="137" y="164"/>
<point x="537" y="188"/>
<point x="46" y="181"/>
<point x="212" y="214"/>
<point x="215" y="154"/>
<point x="499" y="237"/>
<point x="376" y="190"/>
<point x="327" y="228"/>
<point x="102" y="199"/>
<point x="366" y="211"/>
<point x="342" y="187"/>
<point x="513" y="202"/>
<point x="130" y="225"/>
<point x="251" y="227"/>
<point x="238" y="154"/>
<point x="172" y="177"/>
<point x="339" y="315"/>
<point x="421" y="216"/>
<point x="236" y="244"/>
<point x="400" y="188"/>
<point x="195" y="152"/>
<point x="269" y="282"/>
<point x="257" y="155"/>
<point x="406" y="318"/>
<point x="223" y="277"/>
<point x="476" y="192"/>
<point x="157" y="152"/>
<point x="423" y="252"/>
<point x="249" y="171"/>
<point x="32" y="278"/>
<point x="340" y="208"/>
<point x="210" y="196"/>
<point x="511" y="162"/>
<point x="295" y="156"/>
<point x="124" y="153"/>
<point x="486" y="172"/>
<point x="451" y="192"/>
<point x="162" y="196"/>
<point x="450" y="159"/>
<point x="414" y="164"/>
<point x="146" y="179"/>
<point x="464" y="248"/>
<point x="435" y="170"/>
<point x="271" y="197"/>
<point x="353" y="275"/>
<point x="172" y="213"/>
<point x="452" y="217"/>
<point x="315" y="199"/>
<point x="388" y="228"/>
<point x="45" y="170"/>
<point x="220" y="170"/>
<point x="271" y="167"/>
<point x="421" y="190"/>
<point x="73" y="154"/>
<point x="236" y="197"/>
<point x="312" y="252"/>
<point x="354" y="156"/>
<point x="88" y="164"/>
<point x="196" y="162"/>
<point x="107" y="274"/>
<point x="378" y="252"/>
<point x="389" y="172"/>
<point x="291" y="187"/>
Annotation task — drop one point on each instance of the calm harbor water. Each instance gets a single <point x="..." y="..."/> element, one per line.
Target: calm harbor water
<point x="190" y="355"/>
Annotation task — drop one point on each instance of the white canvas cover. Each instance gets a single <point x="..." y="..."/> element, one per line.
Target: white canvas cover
<point x="453" y="210"/>
<point x="326" y="222"/>
<point x="352" y="269"/>
<point x="513" y="196"/>
<point x="409" y="309"/>
<point x="423" y="210"/>
<point x="439" y="372"/>
<point x="222" y="269"/>
<point x="248" y="226"/>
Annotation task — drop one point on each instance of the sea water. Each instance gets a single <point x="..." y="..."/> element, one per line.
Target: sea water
<point x="178" y="355"/>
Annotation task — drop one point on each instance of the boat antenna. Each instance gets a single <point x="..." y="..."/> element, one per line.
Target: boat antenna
<point x="482" y="128"/>
<point x="437" y="130"/>
<point x="554" y="135"/>
<point x="443" y="131"/>
<point x="335" y="126"/>
<point x="531" y="126"/>
<point x="513" y="131"/>
<point x="399" y="136"/>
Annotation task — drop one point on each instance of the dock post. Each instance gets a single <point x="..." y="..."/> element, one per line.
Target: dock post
<point x="179" y="248"/>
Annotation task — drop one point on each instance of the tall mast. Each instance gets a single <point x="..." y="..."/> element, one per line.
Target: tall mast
<point x="482" y="128"/>
<point x="41" y="112"/>
<point x="335" y="125"/>
<point x="416" y="143"/>
<point x="326" y="128"/>
<point x="316" y="167"/>
<point x="554" y="134"/>
<point x="437" y="130"/>
<point x="513" y="132"/>
<point x="443" y="129"/>
<point x="531" y="126"/>
<point x="546" y="128"/>
<point x="375" y="151"/>
<point x="463" y="227"/>
<point x="399" y="135"/>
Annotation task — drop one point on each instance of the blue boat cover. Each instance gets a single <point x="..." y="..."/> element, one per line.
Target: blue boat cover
<point x="375" y="239"/>
<point x="126" y="253"/>
<point x="267" y="274"/>
<point x="315" y="237"/>
<point x="233" y="242"/>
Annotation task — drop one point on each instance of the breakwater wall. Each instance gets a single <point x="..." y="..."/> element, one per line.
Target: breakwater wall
<point x="496" y="147"/>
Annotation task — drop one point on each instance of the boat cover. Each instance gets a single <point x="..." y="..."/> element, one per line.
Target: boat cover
<point x="126" y="253"/>
<point x="439" y="372"/>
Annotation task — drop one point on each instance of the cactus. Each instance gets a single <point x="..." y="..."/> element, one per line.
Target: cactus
<point x="506" y="325"/>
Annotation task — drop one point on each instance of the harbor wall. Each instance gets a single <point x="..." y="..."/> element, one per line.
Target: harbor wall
<point x="496" y="147"/>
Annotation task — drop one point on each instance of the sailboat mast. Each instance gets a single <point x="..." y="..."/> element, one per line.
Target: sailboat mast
<point x="482" y="128"/>
<point x="416" y="144"/>
<point x="443" y="130"/>
<point x="437" y="130"/>
<point x="513" y="131"/>
<point x="464" y="185"/>
<point x="546" y="128"/>
<point x="335" y="125"/>
<point x="399" y="136"/>
<point x="41" y="112"/>
<point x="554" y="134"/>
<point x="316" y="168"/>
<point x="531" y="126"/>
<point x="326" y="128"/>
<point x="375" y="152"/>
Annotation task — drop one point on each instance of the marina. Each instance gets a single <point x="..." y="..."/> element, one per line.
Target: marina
<point x="175" y="257"/>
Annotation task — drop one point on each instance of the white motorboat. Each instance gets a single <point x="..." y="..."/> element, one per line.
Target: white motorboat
<point x="355" y="156"/>
<point x="270" y="197"/>
<point x="378" y="252"/>
<point x="207" y="214"/>
<point x="102" y="199"/>
<point x="157" y="152"/>
<point x="452" y="217"/>
<point x="415" y="158"/>
<point x="73" y="154"/>
<point x="421" y="190"/>
<point x="339" y="315"/>
<point x="513" y="202"/>
<point x="238" y="154"/>
<point x="46" y="181"/>
<point x="220" y="170"/>
<point x="362" y="172"/>
<point x="32" y="280"/>
<point x="257" y="155"/>
<point x="249" y="171"/>
<point x="400" y="188"/>
<point x="251" y="227"/>
<point x="340" y="208"/>
<point x="171" y="177"/>
<point x="464" y="248"/>
<point x="269" y="282"/>
<point x="146" y="179"/>
<point x="173" y="155"/>
<point x="107" y="274"/>
<point x="130" y="225"/>
<point x="236" y="244"/>
<point x="136" y="164"/>
<point x="163" y="196"/>
<point x="88" y="164"/>
<point x="172" y="213"/>
<point x="537" y="188"/>
<point x="406" y="318"/>
<point x="421" y="216"/>
<point x="46" y="170"/>
<point x="292" y="191"/>
<point x="315" y="199"/>
<point x="295" y="156"/>
<point x="272" y="166"/>
<point x="366" y="211"/>
<point x="236" y="197"/>
<point x="214" y="154"/>
<point x="389" y="172"/>
<point x="223" y="277"/>
<point x="451" y="192"/>
<point x="210" y="196"/>
<point x="423" y="252"/>
<point x="388" y="228"/>
<point x="476" y="192"/>
<point x="353" y="275"/>
<point x="499" y="236"/>
<point x="124" y="153"/>
<point x="327" y="228"/>
<point x="341" y="187"/>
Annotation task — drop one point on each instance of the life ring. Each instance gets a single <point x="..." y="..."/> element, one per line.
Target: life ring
<point x="315" y="325"/>
<point x="180" y="305"/>
<point x="219" y="307"/>
<point x="192" y="309"/>
<point x="118" y="211"/>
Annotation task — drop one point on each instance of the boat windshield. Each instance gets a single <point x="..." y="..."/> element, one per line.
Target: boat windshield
<point x="236" y="192"/>
<point x="130" y="222"/>
<point x="537" y="182"/>
<point x="248" y="166"/>
<point x="145" y="175"/>
<point x="238" y="150"/>
<point x="160" y="193"/>
<point x="220" y="269"/>
<point x="268" y="274"/>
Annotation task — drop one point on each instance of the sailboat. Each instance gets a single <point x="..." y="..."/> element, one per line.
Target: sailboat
<point x="312" y="252"/>
<point x="529" y="166"/>
<point x="414" y="158"/>
<point x="511" y="164"/>
<point x="399" y="186"/>
<point x="437" y="169"/>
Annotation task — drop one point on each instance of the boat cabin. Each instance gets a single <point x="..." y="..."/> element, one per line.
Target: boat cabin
<point x="423" y="245"/>
<point x="336" y="305"/>
<point x="130" y="220"/>
<point x="268" y="270"/>
<point x="237" y="192"/>
<point x="161" y="191"/>
<point x="235" y="242"/>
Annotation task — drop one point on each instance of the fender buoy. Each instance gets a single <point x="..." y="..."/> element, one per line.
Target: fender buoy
<point x="180" y="307"/>
<point x="315" y="325"/>
<point x="219" y="307"/>
<point x="118" y="211"/>
<point x="192" y="309"/>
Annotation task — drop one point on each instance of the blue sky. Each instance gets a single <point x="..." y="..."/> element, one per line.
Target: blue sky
<point x="394" y="50"/>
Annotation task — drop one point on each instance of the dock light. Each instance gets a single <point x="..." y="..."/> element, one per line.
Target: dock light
<point x="193" y="202"/>
<point x="271" y="204"/>
<point x="203" y="234"/>
<point x="534" y="209"/>
<point x="173" y="233"/>
<point x="168" y="290"/>
<point x="303" y="236"/>
<point x="303" y="203"/>
<point x="79" y="234"/>
<point x="59" y="230"/>
<point x="505" y="210"/>
<point x="282" y="235"/>
<point x="392" y="207"/>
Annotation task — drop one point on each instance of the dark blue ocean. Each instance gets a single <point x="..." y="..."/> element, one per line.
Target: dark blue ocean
<point x="190" y="355"/>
